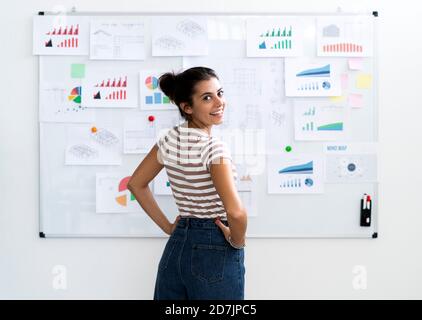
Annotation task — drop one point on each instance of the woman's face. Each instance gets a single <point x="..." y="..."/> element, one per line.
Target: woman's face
<point x="208" y="103"/>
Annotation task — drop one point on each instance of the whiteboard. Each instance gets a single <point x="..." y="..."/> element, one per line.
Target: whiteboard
<point x="68" y="205"/>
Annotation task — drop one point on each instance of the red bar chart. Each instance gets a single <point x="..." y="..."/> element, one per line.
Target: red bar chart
<point x="68" y="43"/>
<point x="113" y="83"/>
<point x="342" y="47"/>
<point x="117" y="95"/>
<point x="67" y="30"/>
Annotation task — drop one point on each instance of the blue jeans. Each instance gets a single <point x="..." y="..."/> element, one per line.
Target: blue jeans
<point x="198" y="263"/>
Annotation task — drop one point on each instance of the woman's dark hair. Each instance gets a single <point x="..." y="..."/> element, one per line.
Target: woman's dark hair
<point x="180" y="87"/>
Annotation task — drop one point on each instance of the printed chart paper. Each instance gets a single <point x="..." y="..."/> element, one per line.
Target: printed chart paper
<point x="351" y="162"/>
<point x="60" y="35"/>
<point x="62" y="102"/>
<point x="112" y="194"/>
<point x="138" y="134"/>
<point x="295" y="173"/>
<point x="142" y="130"/>
<point x="274" y="37"/>
<point x="345" y="36"/>
<point x="152" y="98"/>
<point x="317" y="121"/>
<point x="91" y="145"/>
<point x="179" y="36"/>
<point x="311" y="79"/>
<point x="117" y="40"/>
<point x="110" y="89"/>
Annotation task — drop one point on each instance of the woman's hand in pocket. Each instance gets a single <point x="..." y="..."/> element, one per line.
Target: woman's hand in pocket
<point x="173" y="225"/>
<point x="224" y="228"/>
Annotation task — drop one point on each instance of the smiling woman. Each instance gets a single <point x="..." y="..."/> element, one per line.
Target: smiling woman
<point x="204" y="257"/>
<point x="197" y="86"/>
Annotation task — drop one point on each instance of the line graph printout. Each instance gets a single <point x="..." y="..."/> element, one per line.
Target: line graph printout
<point x="301" y="173"/>
<point x="306" y="78"/>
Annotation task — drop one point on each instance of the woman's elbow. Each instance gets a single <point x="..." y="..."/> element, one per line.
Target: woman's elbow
<point x="238" y="214"/>
<point x="131" y="185"/>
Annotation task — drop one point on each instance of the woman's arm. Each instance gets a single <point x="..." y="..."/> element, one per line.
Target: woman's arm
<point x="138" y="185"/>
<point x="222" y="176"/>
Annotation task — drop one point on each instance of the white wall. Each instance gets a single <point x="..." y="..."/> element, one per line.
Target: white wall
<point x="297" y="268"/>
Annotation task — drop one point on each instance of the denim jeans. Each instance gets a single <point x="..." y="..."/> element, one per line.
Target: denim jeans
<point x="198" y="263"/>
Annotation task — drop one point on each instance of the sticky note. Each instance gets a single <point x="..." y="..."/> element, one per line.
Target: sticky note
<point x="337" y="99"/>
<point x="356" y="100"/>
<point x="363" y="81"/>
<point x="77" y="70"/>
<point x="356" y="63"/>
<point x="344" y="80"/>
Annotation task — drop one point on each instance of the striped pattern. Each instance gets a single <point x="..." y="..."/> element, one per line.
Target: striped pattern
<point x="187" y="154"/>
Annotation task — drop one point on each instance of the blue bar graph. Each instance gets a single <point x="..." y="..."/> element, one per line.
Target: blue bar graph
<point x="157" y="97"/>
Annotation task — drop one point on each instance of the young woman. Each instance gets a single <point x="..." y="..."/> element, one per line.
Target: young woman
<point x="204" y="256"/>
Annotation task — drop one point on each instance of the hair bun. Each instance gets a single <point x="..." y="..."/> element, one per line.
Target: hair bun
<point x="167" y="83"/>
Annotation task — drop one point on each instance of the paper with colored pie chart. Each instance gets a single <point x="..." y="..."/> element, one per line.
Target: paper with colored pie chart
<point x="152" y="98"/>
<point x="301" y="173"/>
<point x="62" y="102"/>
<point x="312" y="79"/>
<point x="112" y="194"/>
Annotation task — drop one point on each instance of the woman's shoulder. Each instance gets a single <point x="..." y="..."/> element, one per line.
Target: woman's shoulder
<point x="165" y="134"/>
<point x="215" y="143"/>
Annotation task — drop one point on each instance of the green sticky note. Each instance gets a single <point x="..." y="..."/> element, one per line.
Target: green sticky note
<point x="77" y="70"/>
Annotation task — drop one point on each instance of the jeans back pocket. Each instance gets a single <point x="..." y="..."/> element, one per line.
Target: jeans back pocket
<point x="208" y="262"/>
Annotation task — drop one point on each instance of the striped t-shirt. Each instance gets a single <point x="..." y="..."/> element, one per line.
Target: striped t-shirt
<point x="187" y="154"/>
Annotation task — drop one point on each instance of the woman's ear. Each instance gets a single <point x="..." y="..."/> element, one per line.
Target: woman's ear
<point x="186" y="108"/>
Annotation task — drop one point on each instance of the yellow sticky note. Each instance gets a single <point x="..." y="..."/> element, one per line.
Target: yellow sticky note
<point x="364" y="81"/>
<point x="337" y="99"/>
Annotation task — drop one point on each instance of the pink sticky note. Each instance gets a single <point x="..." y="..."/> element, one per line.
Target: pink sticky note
<point x="355" y="100"/>
<point x="356" y="63"/>
<point x="344" y="81"/>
